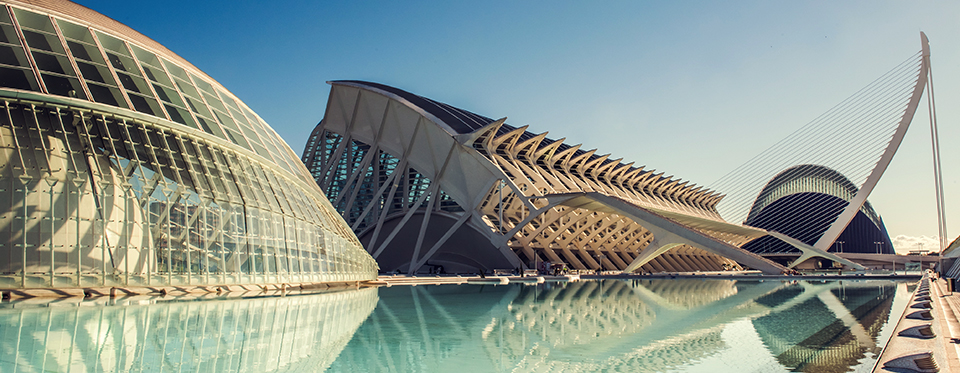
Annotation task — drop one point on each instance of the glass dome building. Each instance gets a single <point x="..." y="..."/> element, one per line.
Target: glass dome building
<point x="121" y="164"/>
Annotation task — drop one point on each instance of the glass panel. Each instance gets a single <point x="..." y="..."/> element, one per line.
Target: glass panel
<point x="13" y="56"/>
<point x="113" y="44"/>
<point x="62" y="86"/>
<point x="227" y="177"/>
<point x="198" y="107"/>
<point x="96" y="73"/>
<point x="4" y="17"/>
<point x="190" y="156"/>
<point x="187" y="89"/>
<point x="179" y="161"/>
<point x="251" y="136"/>
<point x="168" y="95"/>
<point x="157" y="75"/>
<point x="134" y="83"/>
<point x="226" y="121"/>
<point x="45" y="42"/>
<point x="175" y="70"/>
<point x="86" y="52"/>
<point x="181" y="116"/>
<point x="34" y="21"/>
<point x="204" y="86"/>
<point x="145" y="56"/>
<point x="237" y="116"/>
<point x="75" y="32"/>
<point x="18" y="79"/>
<point x="122" y="63"/>
<point x="145" y="104"/>
<point x="228" y="100"/>
<point x="53" y="63"/>
<point x="8" y="35"/>
<point x="106" y="95"/>
<point x="237" y="138"/>
<point x="214" y="102"/>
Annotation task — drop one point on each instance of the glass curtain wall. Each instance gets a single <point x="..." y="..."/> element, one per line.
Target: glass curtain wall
<point x="159" y="177"/>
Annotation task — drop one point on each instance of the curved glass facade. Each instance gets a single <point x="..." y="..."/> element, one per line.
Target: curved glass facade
<point x="122" y="164"/>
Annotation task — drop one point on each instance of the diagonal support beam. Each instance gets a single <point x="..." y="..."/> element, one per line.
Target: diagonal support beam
<point x="436" y="246"/>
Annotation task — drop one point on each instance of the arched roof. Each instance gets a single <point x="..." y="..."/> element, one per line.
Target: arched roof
<point x="94" y="51"/>
<point x="461" y="121"/>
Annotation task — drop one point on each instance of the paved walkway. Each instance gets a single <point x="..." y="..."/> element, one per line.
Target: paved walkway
<point x="927" y="330"/>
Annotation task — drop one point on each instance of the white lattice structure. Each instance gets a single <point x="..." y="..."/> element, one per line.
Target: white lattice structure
<point x="426" y="184"/>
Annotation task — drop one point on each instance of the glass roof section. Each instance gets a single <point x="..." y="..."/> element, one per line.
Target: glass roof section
<point x="129" y="71"/>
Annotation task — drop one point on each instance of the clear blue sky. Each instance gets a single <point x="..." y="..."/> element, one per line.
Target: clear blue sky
<point x="691" y="88"/>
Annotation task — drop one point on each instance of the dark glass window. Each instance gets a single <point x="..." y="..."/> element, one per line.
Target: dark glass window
<point x="102" y="94"/>
<point x="128" y="82"/>
<point x="175" y="114"/>
<point x="140" y="103"/>
<point x="37" y="40"/>
<point x="62" y="86"/>
<point x="205" y="126"/>
<point x="47" y="62"/>
<point x="116" y="62"/>
<point x="8" y="35"/>
<point x="45" y="42"/>
<point x="8" y="56"/>
<point x="79" y="51"/>
<point x="149" y="74"/>
<point x="16" y="78"/>
<point x="90" y="72"/>
<point x="161" y="93"/>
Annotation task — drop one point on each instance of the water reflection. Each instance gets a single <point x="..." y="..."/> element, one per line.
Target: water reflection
<point x="292" y="333"/>
<point x="612" y="325"/>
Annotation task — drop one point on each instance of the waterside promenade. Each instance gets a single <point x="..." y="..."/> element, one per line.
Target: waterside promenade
<point x="927" y="334"/>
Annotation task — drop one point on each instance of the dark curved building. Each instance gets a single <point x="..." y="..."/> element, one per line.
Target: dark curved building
<point x="802" y="202"/>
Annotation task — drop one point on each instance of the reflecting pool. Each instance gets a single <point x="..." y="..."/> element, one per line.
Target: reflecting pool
<point x="672" y="325"/>
<point x="682" y="325"/>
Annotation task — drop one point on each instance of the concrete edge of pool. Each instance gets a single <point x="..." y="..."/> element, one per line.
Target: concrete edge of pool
<point x="927" y="333"/>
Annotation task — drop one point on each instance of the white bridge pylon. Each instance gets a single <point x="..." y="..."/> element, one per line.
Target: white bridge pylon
<point x="853" y="142"/>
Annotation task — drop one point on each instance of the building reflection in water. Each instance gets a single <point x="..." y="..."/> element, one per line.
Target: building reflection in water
<point x="614" y="325"/>
<point x="610" y="325"/>
<point x="291" y="333"/>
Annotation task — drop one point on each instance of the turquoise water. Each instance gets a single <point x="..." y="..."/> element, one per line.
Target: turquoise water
<point x="671" y="325"/>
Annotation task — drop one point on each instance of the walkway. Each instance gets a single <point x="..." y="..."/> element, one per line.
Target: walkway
<point x="928" y="328"/>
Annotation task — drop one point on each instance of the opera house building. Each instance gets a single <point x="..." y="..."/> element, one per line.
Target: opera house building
<point x="121" y="164"/>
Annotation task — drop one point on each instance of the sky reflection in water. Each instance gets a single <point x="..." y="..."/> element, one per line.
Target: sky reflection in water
<point x="612" y="325"/>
